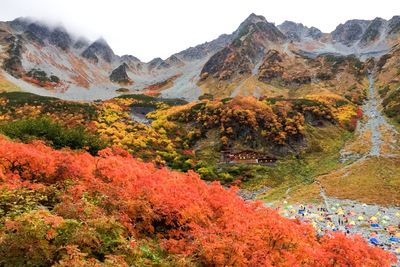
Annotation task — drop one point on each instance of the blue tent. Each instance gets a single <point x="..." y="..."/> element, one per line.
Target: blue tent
<point x="394" y="239"/>
<point x="375" y="225"/>
<point x="374" y="241"/>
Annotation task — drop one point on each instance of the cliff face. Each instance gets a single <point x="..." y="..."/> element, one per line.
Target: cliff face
<point x="119" y="75"/>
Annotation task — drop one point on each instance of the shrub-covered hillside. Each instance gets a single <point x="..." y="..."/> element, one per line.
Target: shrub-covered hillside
<point x="300" y="132"/>
<point x="66" y="208"/>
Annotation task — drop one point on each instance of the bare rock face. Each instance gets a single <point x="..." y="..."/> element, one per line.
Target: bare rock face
<point x="373" y="31"/>
<point x="297" y="31"/>
<point x="119" y="75"/>
<point x="129" y="59"/>
<point x="81" y="43"/>
<point x="99" y="49"/>
<point x="13" y="64"/>
<point x="59" y="37"/>
<point x="174" y="61"/>
<point x="205" y="49"/>
<point x="349" y="32"/>
<point x="248" y="45"/>
<point x="314" y="33"/>
<point x="157" y="63"/>
<point x="394" y="25"/>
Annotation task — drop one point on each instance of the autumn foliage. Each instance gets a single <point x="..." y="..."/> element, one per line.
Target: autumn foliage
<point x="106" y="205"/>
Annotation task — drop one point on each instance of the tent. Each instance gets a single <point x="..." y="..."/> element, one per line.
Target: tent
<point x="360" y="218"/>
<point x="394" y="239"/>
<point x="374" y="241"/>
<point x="340" y="211"/>
<point x="374" y="225"/>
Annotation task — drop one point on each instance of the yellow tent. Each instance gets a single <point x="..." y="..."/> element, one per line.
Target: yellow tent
<point x="373" y="218"/>
<point x="360" y="218"/>
<point x="340" y="211"/>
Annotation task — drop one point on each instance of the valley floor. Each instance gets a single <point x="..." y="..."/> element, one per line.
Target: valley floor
<point x="362" y="196"/>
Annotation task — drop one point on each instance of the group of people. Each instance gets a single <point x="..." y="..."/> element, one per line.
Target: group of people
<point x="379" y="226"/>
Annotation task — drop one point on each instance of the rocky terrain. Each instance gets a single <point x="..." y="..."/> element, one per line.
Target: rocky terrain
<point x="248" y="61"/>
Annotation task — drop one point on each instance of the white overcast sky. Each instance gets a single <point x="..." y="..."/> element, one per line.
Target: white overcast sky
<point x="159" y="28"/>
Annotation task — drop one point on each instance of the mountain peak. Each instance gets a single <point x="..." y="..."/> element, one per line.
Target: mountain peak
<point x="250" y="20"/>
<point x="297" y="31"/>
<point x="99" y="48"/>
<point x="350" y="32"/>
<point x="253" y="18"/>
<point x="101" y="41"/>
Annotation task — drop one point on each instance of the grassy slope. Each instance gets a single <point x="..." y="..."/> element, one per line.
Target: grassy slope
<point x="299" y="175"/>
<point x="374" y="180"/>
<point x="6" y="86"/>
<point x="295" y="178"/>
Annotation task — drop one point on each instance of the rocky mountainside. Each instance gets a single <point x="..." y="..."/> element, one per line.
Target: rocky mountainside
<point x="259" y="58"/>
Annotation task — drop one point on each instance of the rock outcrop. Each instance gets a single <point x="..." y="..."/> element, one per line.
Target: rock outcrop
<point x="99" y="49"/>
<point x="119" y="75"/>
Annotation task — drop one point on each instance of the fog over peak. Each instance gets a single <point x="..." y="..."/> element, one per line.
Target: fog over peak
<point x="157" y="28"/>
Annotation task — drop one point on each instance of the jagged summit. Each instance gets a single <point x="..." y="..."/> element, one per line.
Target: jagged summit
<point x="99" y="48"/>
<point x="350" y="32"/>
<point x="297" y="31"/>
<point x="129" y="58"/>
<point x="253" y="18"/>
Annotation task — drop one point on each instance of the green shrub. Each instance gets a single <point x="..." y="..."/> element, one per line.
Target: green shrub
<point x="17" y="201"/>
<point x="54" y="79"/>
<point x="384" y="91"/>
<point x="55" y="133"/>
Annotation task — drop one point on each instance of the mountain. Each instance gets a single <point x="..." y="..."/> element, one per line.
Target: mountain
<point x="298" y="32"/>
<point x="292" y="116"/>
<point x="258" y="58"/>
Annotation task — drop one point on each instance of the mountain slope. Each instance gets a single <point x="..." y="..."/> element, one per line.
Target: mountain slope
<point x="227" y="66"/>
<point x="85" y="69"/>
